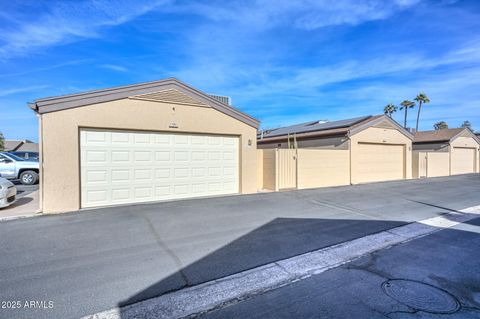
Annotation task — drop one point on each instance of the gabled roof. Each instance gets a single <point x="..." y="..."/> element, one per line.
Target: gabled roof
<point x="313" y="126"/>
<point x="11" y="145"/>
<point x="59" y="103"/>
<point x="28" y="147"/>
<point x="16" y="145"/>
<point x="346" y="127"/>
<point x="437" y="136"/>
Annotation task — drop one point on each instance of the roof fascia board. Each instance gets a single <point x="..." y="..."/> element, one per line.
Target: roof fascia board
<point x="99" y="96"/>
<point x="299" y="137"/>
<point x="371" y="123"/>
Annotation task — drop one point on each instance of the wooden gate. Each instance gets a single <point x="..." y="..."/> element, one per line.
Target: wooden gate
<point x="287" y="168"/>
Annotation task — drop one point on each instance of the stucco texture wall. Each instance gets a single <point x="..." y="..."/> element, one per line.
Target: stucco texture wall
<point x="323" y="168"/>
<point x="60" y="141"/>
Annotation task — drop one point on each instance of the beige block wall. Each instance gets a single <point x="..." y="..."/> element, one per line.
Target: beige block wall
<point x="323" y="168"/>
<point x="259" y="169"/>
<point x="438" y="164"/>
<point x="416" y="163"/>
<point x="270" y="169"/>
<point x="380" y="135"/>
<point x="60" y="186"/>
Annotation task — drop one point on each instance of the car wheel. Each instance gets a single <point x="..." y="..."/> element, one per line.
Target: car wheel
<point x="28" y="178"/>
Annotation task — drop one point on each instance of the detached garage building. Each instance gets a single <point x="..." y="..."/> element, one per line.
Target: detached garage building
<point x="360" y="150"/>
<point x="146" y="142"/>
<point x="445" y="152"/>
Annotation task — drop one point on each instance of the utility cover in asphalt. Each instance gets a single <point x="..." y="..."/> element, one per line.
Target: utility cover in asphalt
<point x="421" y="296"/>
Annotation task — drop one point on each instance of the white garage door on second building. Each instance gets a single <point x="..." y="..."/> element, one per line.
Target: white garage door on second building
<point x="380" y="162"/>
<point x="120" y="167"/>
<point x="463" y="160"/>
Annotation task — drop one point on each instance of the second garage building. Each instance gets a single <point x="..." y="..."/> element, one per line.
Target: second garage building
<point x="146" y="142"/>
<point x="361" y="150"/>
<point x="445" y="152"/>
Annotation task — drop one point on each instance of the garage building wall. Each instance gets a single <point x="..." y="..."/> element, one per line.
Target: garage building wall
<point x="379" y="135"/>
<point x="60" y="140"/>
<point x="466" y="141"/>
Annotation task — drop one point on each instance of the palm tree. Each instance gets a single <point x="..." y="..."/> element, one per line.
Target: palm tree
<point x="2" y="142"/>
<point x="405" y="105"/>
<point x="421" y="98"/>
<point x="389" y="109"/>
<point x="467" y="124"/>
<point x="440" y="125"/>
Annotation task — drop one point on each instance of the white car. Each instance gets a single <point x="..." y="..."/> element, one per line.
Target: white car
<point x="8" y="192"/>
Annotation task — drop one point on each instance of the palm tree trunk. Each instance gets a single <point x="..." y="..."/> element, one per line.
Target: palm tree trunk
<point x="418" y="114"/>
<point x="405" y="121"/>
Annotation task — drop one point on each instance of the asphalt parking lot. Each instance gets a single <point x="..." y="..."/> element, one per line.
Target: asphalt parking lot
<point x="94" y="260"/>
<point x="23" y="190"/>
<point x="432" y="277"/>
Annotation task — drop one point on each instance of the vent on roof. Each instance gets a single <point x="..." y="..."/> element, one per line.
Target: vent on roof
<point x="224" y="99"/>
<point x="170" y="95"/>
<point x="317" y="122"/>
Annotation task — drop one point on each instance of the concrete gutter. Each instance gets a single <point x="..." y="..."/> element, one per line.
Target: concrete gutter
<point x="220" y="293"/>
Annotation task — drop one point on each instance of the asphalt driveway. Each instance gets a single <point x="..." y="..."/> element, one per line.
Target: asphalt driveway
<point x="431" y="277"/>
<point x="94" y="260"/>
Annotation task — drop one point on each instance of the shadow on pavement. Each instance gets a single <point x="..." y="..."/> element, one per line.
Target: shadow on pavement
<point x="21" y="201"/>
<point x="279" y="239"/>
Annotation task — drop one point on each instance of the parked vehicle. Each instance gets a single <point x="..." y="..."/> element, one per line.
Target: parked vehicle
<point x="8" y="192"/>
<point x="26" y="155"/>
<point x="14" y="167"/>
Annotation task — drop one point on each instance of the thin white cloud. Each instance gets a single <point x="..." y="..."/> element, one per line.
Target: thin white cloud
<point x="12" y="91"/>
<point x="64" y="22"/>
<point x="46" y="68"/>
<point x="114" y="67"/>
<point x="303" y="14"/>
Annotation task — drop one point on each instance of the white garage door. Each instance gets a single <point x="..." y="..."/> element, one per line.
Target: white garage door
<point x="119" y="167"/>
<point x="380" y="162"/>
<point x="463" y="160"/>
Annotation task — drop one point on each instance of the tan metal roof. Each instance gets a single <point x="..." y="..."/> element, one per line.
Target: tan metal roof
<point x="59" y="103"/>
<point x="443" y="135"/>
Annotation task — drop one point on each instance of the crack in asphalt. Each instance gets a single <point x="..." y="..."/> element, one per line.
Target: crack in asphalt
<point x="165" y="247"/>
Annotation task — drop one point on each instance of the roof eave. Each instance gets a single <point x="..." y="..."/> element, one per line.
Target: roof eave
<point x="64" y="102"/>
<point x="299" y="137"/>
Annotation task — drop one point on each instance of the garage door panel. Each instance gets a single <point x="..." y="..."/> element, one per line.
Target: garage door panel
<point x="122" y="167"/>
<point x="463" y="160"/>
<point x="380" y="162"/>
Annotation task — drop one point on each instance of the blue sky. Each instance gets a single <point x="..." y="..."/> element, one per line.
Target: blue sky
<point x="281" y="61"/>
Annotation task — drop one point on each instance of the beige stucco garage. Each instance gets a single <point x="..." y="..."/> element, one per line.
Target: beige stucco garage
<point x="153" y="141"/>
<point x="352" y="151"/>
<point x="445" y="152"/>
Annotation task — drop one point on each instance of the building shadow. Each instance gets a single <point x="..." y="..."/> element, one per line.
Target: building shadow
<point x="279" y="239"/>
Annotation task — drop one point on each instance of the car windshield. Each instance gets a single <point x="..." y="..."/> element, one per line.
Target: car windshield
<point x="14" y="157"/>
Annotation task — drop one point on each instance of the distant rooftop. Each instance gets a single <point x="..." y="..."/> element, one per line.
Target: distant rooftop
<point x="20" y="145"/>
<point x="443" y="135"/>
<point x="313" y="126"/>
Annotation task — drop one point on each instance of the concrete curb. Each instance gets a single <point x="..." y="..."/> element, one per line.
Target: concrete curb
<point x="228" y="290"/>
